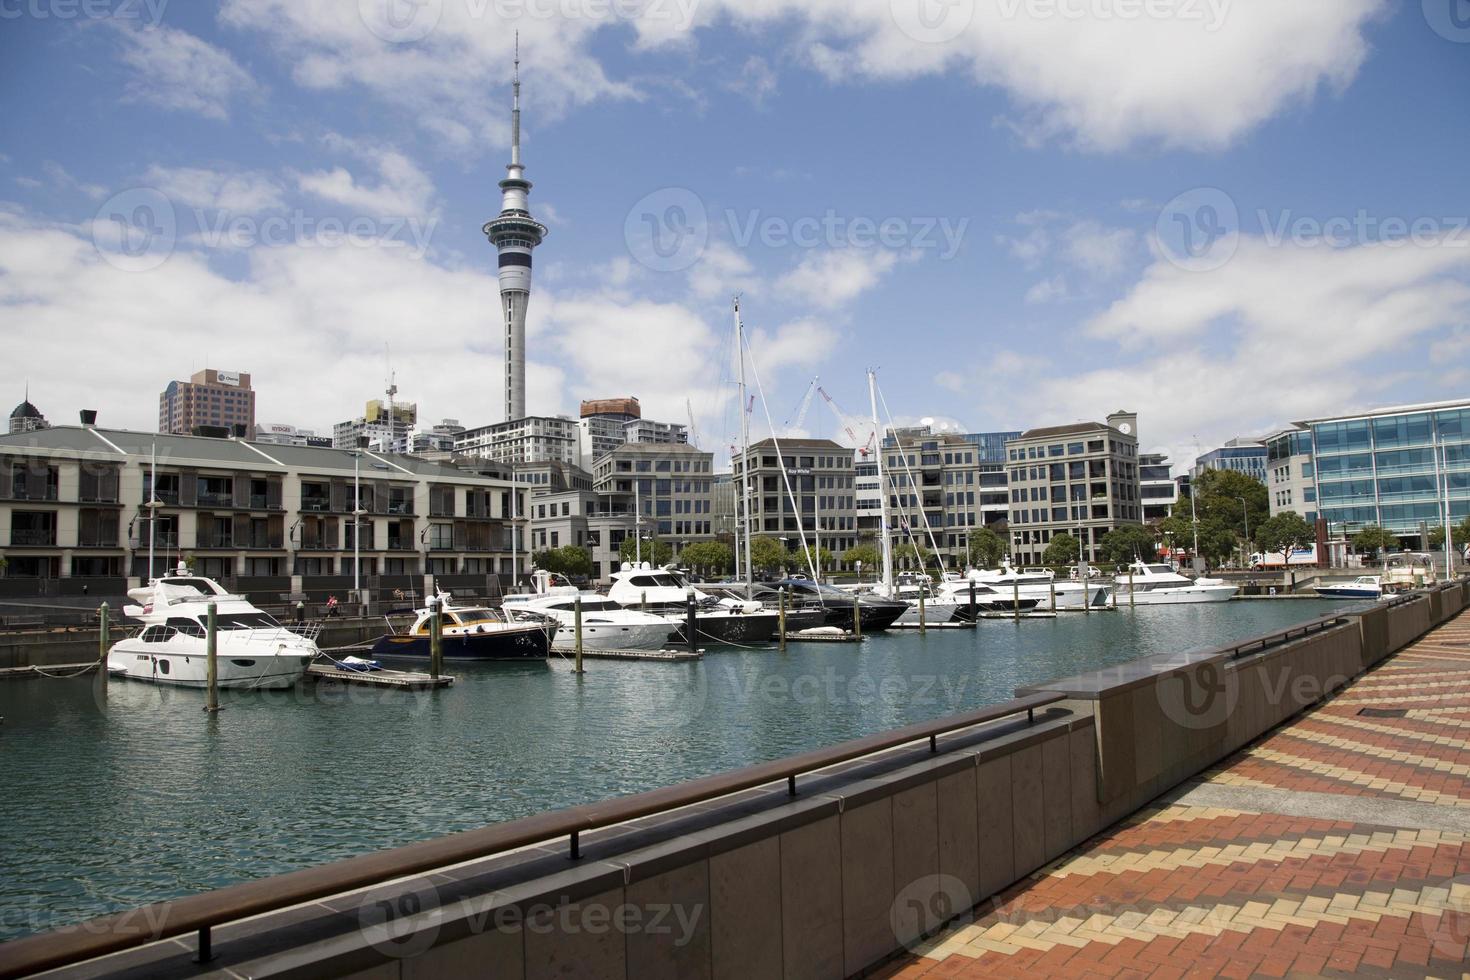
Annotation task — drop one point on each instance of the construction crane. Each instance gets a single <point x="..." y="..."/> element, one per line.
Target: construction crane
<point x="842" y="417"/>
<point x="693" y="431"/>
<point x="806" y="403"/>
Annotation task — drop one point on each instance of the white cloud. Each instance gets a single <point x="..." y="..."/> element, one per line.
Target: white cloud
<point x="722" y="270"/>
<point x="1047" y="291"/>
<point x="1102" y="253"/>
<point x="757" y="80"/>
<point x="1103" y="83"/>
<point x="831" y="278"/>
<point x="239" y="192"/>
<point x="178" y="71"/>
<point x="402" y="188"/>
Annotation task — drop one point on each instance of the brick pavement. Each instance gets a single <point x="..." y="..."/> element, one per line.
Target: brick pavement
<point x="1187" y="890"/>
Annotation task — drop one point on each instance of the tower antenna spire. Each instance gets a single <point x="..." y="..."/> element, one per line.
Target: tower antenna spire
<point x="515" y="110"/>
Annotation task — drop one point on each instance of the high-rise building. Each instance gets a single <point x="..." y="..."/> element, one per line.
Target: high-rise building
<point x="438" y="439"/>
<point x="536" y="439"/>
<point x="1079" y="479"/>
<point x="940" y="483"/>
<point x="1157" y="488"/>
<point x="670" y="485"/>
<point x="1392" y="467"/>
<point x="818" y="473"/>
<point x="608" y="423"/>
<point x="515" y="235"/>
<point x="385" y="426"/>
<point x="210" y="398"/>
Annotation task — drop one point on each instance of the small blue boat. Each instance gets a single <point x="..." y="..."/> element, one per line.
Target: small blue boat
<point x="1362" y="587"/>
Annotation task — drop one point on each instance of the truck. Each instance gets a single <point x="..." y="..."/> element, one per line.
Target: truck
<point x="1274" y="559"/>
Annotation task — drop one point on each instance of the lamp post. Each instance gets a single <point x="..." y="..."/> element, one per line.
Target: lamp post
<point x="1245" y="547"/>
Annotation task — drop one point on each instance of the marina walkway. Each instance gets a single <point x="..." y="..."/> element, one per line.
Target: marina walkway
<point x="1337" y="844"/>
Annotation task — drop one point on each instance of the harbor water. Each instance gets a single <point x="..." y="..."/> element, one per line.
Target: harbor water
<point x="119" y="799"/>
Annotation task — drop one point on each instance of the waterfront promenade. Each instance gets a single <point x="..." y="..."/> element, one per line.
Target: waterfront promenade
<point x="1338" y="843"/>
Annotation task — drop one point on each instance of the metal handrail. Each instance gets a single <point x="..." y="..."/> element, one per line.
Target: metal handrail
<point x="201" y="913"/>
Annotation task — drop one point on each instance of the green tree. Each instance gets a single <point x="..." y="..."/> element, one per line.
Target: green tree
<point x="767" y="555"/>
<point x="1284" y="533"/>
<point x="1461" y="536"/>
<point x="1129" y="543"/>
<point x="1063" y="550"/>
<point x="569" y="560"/>
<point x="820" y="557"/>
<point x="914" y="556"/>
<point x="987" y="548"/>
<point x="708" y="557"/>
<point x="657" y="552"/>
<point x="865" y="552"/>
<point x="1217" y="541"/>
<point x="1374" y="539"/>
<point x="1217" y="496"/>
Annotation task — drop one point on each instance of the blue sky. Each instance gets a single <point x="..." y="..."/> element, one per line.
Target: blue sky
<point x="1224" y="214"/>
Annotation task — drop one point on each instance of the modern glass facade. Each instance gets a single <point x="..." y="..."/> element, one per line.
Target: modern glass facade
<point x="1391" y="468"/>
<point x="1250" y="460"/>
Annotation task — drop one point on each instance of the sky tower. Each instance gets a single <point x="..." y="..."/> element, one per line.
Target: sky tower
<point x="514" y="233"/>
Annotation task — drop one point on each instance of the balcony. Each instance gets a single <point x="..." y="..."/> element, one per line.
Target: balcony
<point x="262" y="542"/>
<point x="317" y="505"/>
<point x="400" y="507"/>
<point x="215" y="541"/>
<point x="215" y="500"/>
<point x="97" y="540"/>
<point x="169" y="497"/>
<point x="97" y="498"/>
<point x="259" y="501"/>
<point x="21" y="493"/>
<point x="32" y="537"/>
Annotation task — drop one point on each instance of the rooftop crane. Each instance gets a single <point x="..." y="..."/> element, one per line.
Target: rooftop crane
<point x="863" y="447"/>
<point x="806" y="403"/>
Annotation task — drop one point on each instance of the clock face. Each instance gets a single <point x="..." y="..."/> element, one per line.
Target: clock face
<point x="1126" y="429"/>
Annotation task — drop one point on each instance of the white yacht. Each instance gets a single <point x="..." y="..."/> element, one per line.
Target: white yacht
<point x="1362" y="587"/>
<point x="605" y="624"/>
<point x="665" y="592"/>
<point x="1032" y="583"/>
<point x="1159" y="585"/>
<point x="252" y="650"/>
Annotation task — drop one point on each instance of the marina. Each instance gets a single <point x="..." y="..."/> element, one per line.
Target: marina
<point x="323" y="771"/>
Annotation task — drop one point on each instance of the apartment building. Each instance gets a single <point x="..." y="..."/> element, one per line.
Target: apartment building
<point x="669" y="488"/>
<point x="942" y="485"/>
<point x="1080" y="479"/>
<point x="821" y="476"/>
<point x="74" y="512"/>
<point x="210" y="398"/>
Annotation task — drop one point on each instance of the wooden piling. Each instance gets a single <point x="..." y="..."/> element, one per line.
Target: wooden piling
<point x="691" y="624"/>
<point x="104" y="641"/>
<point x="1016" y="599"/>
<point x="436" y="638"/>
<point x="782" y="634"/>
<point x="857" y="617"/>
<point x="577" y="625"/>
<point x="211" y="652"/>
<point x="922" y="624"/>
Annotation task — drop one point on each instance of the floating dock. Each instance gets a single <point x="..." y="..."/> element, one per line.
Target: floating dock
<point x="1024" y="615"/>
<point x="664" y="656"/>
<point x="823" y="638"/>
<point x="954" y="624"/>
<point x="402" y="679"/>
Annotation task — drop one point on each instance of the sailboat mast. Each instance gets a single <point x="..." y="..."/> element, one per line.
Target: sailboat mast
<point x="152" y="507"/>
<point x="744" y="440"/>
<point x="882" y="485"/>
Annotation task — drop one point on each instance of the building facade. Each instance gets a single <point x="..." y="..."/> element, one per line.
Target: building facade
<point x="1393" y="467"/>
<point x="538" y="439"/>
<point x="941" y="487"/>
<point x="1080" y="479"/>
<point x="281" y="434"/>
<point x="669" y="489"/>
<point x="385" y="426"/>
<point x="822" y="480"/>
<point x="1246" y="456"/>
<point x="1158" y="491"/>
<point x="269" y="518"/>
<point x="210" y="398"/>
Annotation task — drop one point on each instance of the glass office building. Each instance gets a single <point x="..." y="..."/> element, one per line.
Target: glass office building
<point x="1392" y="467"/>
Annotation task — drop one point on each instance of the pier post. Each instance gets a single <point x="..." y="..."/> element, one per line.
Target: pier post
<point x="1016" y="599"/>
<point x="211" y="652"/>
<point x="691" y="623"/>
<point x="577" y="626"/>
<point x="857" y="617"/>
<point x="436" y="638"/>
<point x="1083" y="574"/>
<point x="973" y="616"/>
<point x="1131" y="604"/>
<point x="921" y="610"/>
<point x="1052" y="586"/>
<point x="781" y="644"/>
<point x="104" y="640"/>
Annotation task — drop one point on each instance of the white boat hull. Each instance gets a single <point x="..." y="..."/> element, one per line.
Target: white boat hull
<point x="1178" y="597"/>
<point x="613" y="636"/>
<point x="255" y="670"/>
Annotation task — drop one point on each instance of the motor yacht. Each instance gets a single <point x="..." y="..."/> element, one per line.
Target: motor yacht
<point x="877" y="612"/>
<point x="1160" y="585"/>
<point x="252" y="650"/>
<point x="1038" y="584"/>
<point x="1362" y="587"/>
<point x="665" y="592"/>
<point x="605" y="624"/>
<point x="469" y="634"/>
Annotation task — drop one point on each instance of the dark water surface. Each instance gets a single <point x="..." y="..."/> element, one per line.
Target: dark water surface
<point x="112" y="802"/>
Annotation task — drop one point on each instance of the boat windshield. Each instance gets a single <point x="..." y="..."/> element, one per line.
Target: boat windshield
<point x="246" y="621"/>
<point x="661" y="580"/>
<point x="473" y="617"/>
<point x="588" y="605"/>
<point x="1158" y="569"/>
<point x="200" y="585"/>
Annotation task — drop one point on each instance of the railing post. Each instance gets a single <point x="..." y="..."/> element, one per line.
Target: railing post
<point x="206" y="946"/>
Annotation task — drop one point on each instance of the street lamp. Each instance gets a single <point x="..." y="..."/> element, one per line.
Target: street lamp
<point x="1244" y="548"/>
